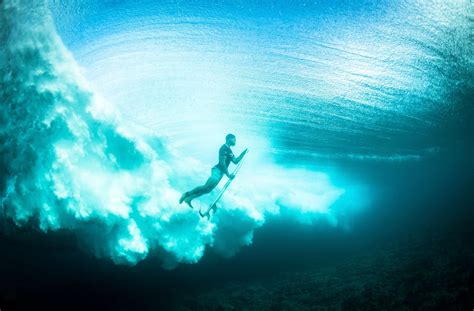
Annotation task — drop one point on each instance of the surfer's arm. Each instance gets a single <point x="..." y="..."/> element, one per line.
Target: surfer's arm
<point x="234" y="159"/>
<point x="222" y="165"/>
<point x="237" y="160"/>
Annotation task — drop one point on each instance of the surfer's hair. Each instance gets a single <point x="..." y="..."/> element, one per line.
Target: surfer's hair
<point x="229" y="137"/>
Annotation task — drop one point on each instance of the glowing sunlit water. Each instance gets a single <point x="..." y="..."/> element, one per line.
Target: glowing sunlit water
<point x="102" y="138"/>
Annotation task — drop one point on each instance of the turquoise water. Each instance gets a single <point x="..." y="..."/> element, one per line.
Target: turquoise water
<point x="307" y="81"/>
<point x="358" y="117"/>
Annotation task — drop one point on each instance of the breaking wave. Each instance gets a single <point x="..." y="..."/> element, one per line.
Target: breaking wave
<point x="70" y="161"/>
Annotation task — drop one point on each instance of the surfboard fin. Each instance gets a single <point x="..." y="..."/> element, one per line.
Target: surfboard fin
<point x="208" y="212"/>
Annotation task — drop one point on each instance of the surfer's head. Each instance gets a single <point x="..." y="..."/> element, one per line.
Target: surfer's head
<point x="230" y="139"/>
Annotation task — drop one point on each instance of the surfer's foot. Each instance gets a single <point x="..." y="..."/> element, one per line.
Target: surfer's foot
<point x="189" y="203"/>
<point x="183" y="197"/>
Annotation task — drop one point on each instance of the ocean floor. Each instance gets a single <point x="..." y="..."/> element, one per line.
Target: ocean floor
<point x="434" y="272"/>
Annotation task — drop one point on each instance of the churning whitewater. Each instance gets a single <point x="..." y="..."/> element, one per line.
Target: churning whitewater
<point x="70" y="160"/>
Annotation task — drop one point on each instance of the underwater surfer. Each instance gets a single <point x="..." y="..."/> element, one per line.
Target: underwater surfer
<point x="217" y="172"/>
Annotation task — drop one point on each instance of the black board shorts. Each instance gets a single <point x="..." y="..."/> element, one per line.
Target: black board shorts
<point x="216" y="176"/>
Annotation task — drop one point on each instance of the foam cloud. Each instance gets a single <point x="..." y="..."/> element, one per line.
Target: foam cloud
<point x="70" y="161"/>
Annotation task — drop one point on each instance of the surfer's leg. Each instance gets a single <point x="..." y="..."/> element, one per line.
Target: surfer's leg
<point x="210" y="184"/>
<point x="187" y="197"/>
<point x="196" y="192"/>
<point x="213" y="181"/>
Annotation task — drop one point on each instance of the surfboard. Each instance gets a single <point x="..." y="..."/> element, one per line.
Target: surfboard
<point x="213" y="205"/>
